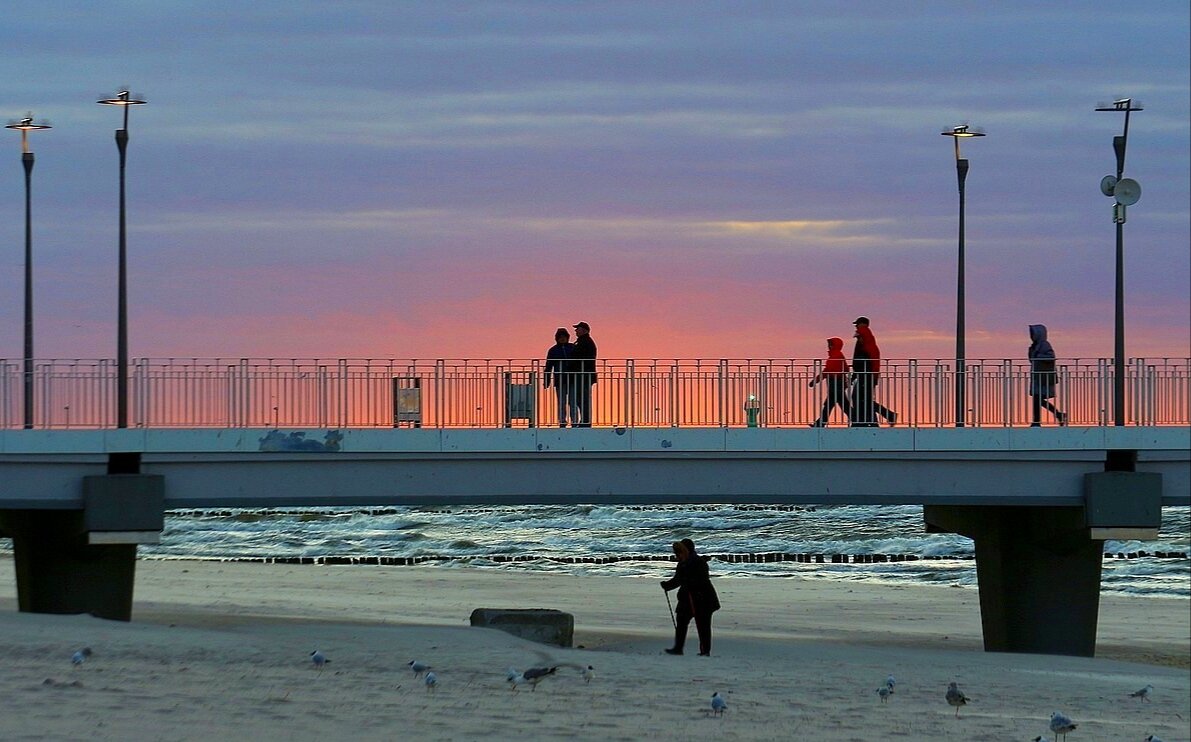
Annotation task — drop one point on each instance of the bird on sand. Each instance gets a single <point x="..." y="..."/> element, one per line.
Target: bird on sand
<point x="418" y="667"/>
<point x="884" y="692"/>
<point x="718" y="704"/>
<point x="1142" y="693"/>
<point x="431" y="681"/>
<point x="588" y="673"/>
<point x="535" y="675"/>
<point x="319" y="659"/>
<point x="956" y="697"/>
<point x="1061" y="724"/>
<point x="80" y="656"/>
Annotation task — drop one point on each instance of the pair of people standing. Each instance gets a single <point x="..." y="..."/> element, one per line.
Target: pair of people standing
<point x="697" y="598"/>
<point x="570" y="369"/>
<point x="860" y="406"/>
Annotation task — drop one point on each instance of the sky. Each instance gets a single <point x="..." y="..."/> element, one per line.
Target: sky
<point x="695" y="180"/>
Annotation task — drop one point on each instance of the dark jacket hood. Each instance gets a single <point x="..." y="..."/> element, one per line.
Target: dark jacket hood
<point x="1037" y="333"/>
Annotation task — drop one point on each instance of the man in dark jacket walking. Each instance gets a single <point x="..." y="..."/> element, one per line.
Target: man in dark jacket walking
<point x="585" y="372"/>
<point x="560" y="373"/>
<point x="866" y="367"/>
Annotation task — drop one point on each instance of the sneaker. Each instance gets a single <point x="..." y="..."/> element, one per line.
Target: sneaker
<point x="705" y="654"/>
<point x="671" y="650"/>
<point x="1062" y="416"/>
<point x="815" y="425"/>
<point x="892" y="418"/>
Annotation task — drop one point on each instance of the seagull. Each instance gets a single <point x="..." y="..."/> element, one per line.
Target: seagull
<point x="1151" y="738"/>
<point x="418" y="667"/>
<point x="80" y="656"/>
<point x="1143" y="693"/>
<point x="956" y="697"/>
<point x="718" y="704"/>
<point x="1040" y="738"/>
<point x="319" y="659"/>
<point x="534" y="675"/>
<point x="431" y="681"/>
<point x="588" y="673"/>
<point x="511" y="674"/>
<point x="884" y="692"/>
<point x="1061" y="724"/>
<point x="890" y="682"/>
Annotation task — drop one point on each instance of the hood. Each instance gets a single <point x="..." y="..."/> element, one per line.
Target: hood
<point x="1037" y="333"/>
<point x="836" y="344"/>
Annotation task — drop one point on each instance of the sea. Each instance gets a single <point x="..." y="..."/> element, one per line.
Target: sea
<point x="885" y="544"/>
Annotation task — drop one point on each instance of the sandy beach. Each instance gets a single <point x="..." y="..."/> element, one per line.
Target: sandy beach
<point x="221" y="650"/>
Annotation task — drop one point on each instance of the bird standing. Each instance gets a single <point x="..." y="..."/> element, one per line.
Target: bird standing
<point x="588" y="673"/>
<point x="80" y="656"/>
<point x="431" y="681"/>
<point x="718" y="704"/>
<point x="1061" y="724"/>
<point x="956" y="697"/>
<point x="1142" y="693"/>
<point x="418" y="667"/>
<point x="319" y="659"/>
<point x="884" y="692"/>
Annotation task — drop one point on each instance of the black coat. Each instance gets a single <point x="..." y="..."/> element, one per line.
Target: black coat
<point x="693" y="580"/>
<point x="585" y="355"/>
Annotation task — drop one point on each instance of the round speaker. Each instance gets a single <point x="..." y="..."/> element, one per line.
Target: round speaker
<point x="1127" y="191"/>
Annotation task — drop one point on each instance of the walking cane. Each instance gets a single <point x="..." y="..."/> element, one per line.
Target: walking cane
<point x="672" y="621"/>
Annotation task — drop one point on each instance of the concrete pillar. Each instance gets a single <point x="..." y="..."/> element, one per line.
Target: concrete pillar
<point x="84" y="561"/>
<point x="1038" y="572"/>
<point x="59" y="572"/>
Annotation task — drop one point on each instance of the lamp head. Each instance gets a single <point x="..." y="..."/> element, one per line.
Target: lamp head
<point x="963" y="131"/>
<point x="1121" y="104"/>
<point x="122" y="98"/>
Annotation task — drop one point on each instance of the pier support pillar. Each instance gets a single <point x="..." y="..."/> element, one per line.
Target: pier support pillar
<point x="84" y="561"/>
<point x="1038" y="573"/>
<point x="59" y="572"/>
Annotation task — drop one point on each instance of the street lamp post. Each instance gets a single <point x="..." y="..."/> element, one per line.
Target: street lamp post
<point x="1126" y="192"/>
<point x="126" y="100"/>
<point x="961" y="171"/>
<point x="25" y="126"/>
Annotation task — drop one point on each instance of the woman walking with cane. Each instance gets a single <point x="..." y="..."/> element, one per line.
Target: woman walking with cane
<point x="696" y="597"/>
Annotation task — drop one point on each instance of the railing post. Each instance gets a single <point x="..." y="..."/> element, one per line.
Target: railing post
<point x="439" y="393"/>
<point x="940" y="380"/>
<point x="1007" y="387"/>
<point x="674" y="392"/>
<point x="630" y="390"/>
<point x="722" y="414"/>
<point x="974" y="396"/>
<point x="763" y="396"/>
<point x="1103" y="391"/>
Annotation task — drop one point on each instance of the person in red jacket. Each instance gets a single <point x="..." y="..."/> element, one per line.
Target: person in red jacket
<point x="866" y="369"/>
<point x="835" y="373"/>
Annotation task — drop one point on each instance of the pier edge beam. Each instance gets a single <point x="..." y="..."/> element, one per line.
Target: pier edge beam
<point x="1038" y="574"/>
<point x="84" y="561"/>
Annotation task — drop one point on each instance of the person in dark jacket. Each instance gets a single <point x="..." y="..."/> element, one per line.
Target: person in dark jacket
<point x="866" y="370"/>
<point x="835" y="373"/>
<point x="1043" y="377"/>
<point x="697" y="598"/>
<point x="585" y="372"/>
<point x="560" y="373"/>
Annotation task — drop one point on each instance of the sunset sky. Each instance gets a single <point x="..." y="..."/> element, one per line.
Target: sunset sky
<point x="728" y="179"/>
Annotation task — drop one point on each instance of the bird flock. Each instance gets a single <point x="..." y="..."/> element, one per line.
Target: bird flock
<point x="1060" y="723"/>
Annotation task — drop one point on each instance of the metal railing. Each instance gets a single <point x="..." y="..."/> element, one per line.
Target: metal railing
<point x="444" y="393"/>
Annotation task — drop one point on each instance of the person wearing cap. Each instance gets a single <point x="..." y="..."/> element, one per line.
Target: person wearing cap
<point x="585" y="373"/>
<point x="866" y="370"/>
<point x="559" y="372"/>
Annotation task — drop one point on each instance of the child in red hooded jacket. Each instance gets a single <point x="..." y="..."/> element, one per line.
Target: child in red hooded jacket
<point x="835" y="371"/>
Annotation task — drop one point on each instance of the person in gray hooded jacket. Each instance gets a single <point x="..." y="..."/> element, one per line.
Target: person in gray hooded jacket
<point x="1043" y="377"/>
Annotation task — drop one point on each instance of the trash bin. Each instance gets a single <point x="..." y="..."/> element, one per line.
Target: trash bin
<point x="752" y="410"/>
